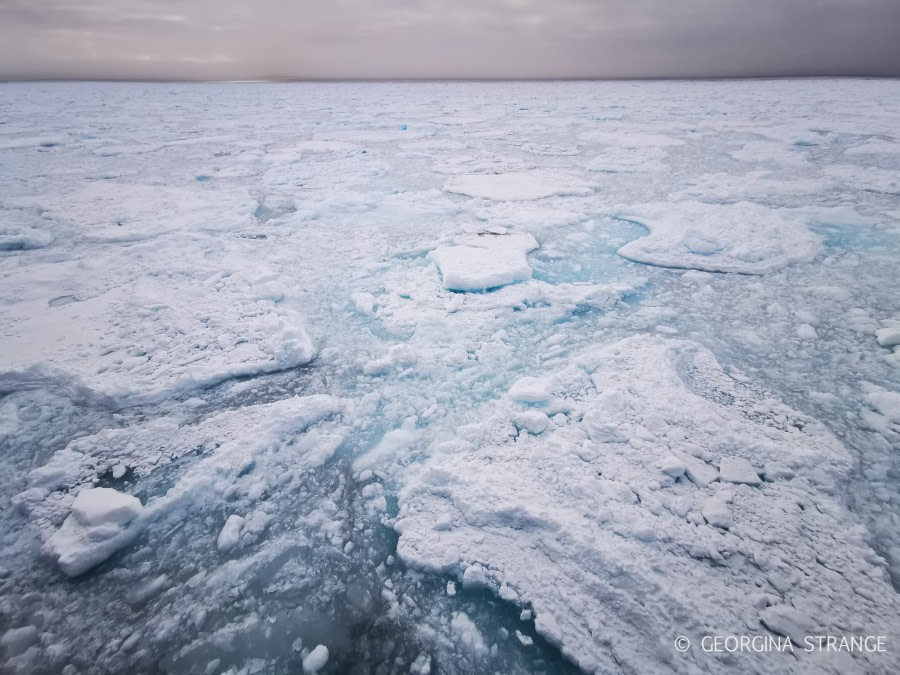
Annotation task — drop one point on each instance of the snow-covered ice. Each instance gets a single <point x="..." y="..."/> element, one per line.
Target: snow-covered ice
<point x="516" y="186"/>
<point x="742" y="237"/>
<point x="448" y="377"/>
<point x="486" y="261"/>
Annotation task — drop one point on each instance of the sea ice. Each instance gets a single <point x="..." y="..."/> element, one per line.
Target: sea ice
<point x="737" y="470"/>
<point x="246" y="346"/>
<point x="484" y="261"/>
<point x="316" y="660"/>
<point x="516" y="186"/>
<point x="517" y="495"/>
<point x="97" y="527"/>
<point x="742" y="237"/>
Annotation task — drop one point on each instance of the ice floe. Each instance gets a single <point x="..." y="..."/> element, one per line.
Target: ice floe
<point x="742" y="237"/>
<point x="516" y="186"/>
<point x="485" y="261"/>
<point x="549" y="516"/>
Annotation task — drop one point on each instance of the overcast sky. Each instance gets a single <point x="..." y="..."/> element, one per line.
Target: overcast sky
<point x="231" y="39"/>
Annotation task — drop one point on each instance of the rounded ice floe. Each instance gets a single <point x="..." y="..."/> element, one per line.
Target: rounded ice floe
<point x="485" y="261"/>
<point x="517" y="185"/>
<point x="743" y="237"/>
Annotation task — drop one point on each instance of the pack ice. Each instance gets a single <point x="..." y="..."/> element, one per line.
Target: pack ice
<point x="448" y="377"/>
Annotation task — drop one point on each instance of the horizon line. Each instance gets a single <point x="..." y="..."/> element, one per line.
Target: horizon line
<point x="337" y="80"/>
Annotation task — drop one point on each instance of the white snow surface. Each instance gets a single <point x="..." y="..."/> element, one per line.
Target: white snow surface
<point x="485" y="261"/>
<point x="517" y="186"/>
<point x="549" y="516"/>
<point x="449" y="377"/>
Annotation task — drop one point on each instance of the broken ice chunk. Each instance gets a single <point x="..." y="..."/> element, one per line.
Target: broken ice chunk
<point x="316" y="660"/>
<point x="672" y="466"/>
<point x="508" y="594"/>
<point x="230" y="536"/>
<point x="484" y="262"/>
<point x="787" y="621"/>
<point x="97" y="527"/>
<point x="101" y="506"/>
<point x="464" y="631"/>
<point x="601" y="431"/>
<point x="889" y="335"/>
<point x="530" y="390"/>
<point x="737" y="470"/>
<point x="532" y="421"/>
<point x="699" y="472"/>
<point x="717" y="513"/>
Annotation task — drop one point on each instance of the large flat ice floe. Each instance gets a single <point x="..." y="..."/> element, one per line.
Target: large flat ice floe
<point x="742" y="237"/>
<point x="517" y="185"/>
<point x="170" y="331"/>
<point x="640" y="511"/>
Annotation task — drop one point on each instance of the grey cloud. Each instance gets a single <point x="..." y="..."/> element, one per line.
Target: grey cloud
<point x="211" y="39"/>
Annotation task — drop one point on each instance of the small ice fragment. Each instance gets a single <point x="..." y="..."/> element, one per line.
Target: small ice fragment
<point x="672" y="466"/>
<point x="699" y="472"/>
<point x="99" y="525"/>
<point x="524" y="639"/>
<point x="806" y="332"/>
<point x="532" y="421"/>
<point x="316" y="660"/>
<point x="737" y="470"/>
<point x="105" y="506"/>
<point x="788" y="622"/>
<point x="467" y="634"/>
<point x="717" y="513"/>
<point x="230" y="536"/>
<point x="443" y="522"/>
<point x="889" y="335"/>
<point x="475" y="577"/>
<point x="17" y="640"/>
<point x="484" y="262"/>
<point x="421" y="666"/>
<point x="530" y="390"/>
<point x="508" y="594"/>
